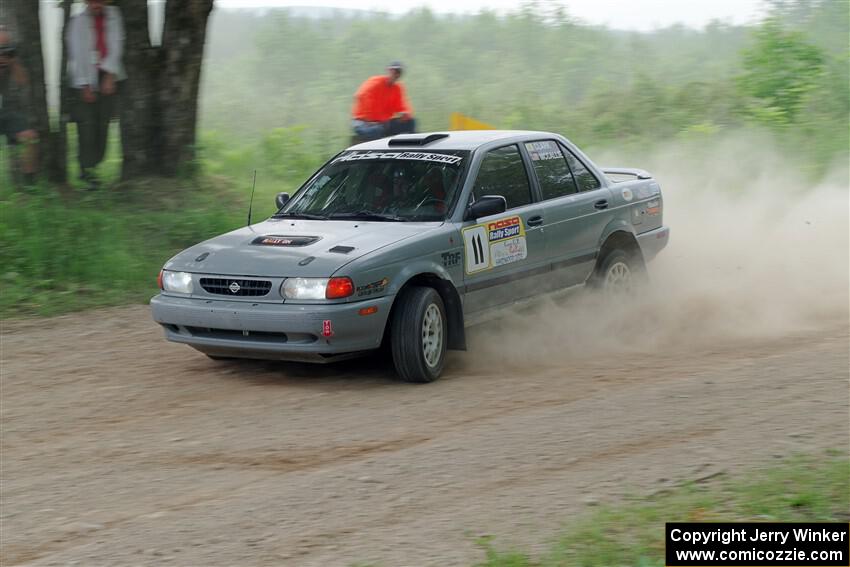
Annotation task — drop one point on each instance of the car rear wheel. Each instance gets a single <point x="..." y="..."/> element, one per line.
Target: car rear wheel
<point x="418" y="335"/>
<point x="619" y="273"/>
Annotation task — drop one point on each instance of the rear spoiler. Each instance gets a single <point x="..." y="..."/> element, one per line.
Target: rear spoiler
<point x="639" y="173"/>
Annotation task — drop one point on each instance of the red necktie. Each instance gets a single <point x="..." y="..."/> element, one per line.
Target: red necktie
<point x="101" y="36"/>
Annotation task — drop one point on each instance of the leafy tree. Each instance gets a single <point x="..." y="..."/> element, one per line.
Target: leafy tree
<point x="780" y="69"/>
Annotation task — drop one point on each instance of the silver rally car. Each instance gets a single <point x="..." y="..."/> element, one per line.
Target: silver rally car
<point x="401" y="241"/>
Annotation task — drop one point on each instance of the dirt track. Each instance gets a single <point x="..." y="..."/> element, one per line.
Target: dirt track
<point x="119" y="448"/>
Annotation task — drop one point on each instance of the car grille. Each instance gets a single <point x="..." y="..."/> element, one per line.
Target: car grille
<point x="236" y="287"/>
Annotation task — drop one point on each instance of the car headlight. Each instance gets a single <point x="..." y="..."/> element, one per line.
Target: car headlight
<point x="177" y="282"/>
<point x="316" y="288"/>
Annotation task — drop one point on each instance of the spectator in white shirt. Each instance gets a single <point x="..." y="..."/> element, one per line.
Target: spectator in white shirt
<point x="95" y="45"/>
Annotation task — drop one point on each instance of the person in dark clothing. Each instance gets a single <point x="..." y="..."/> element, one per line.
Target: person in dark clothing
<point x="16" y="120"/>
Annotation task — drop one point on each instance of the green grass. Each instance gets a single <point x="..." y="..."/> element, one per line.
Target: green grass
<point x="801" y="489"/>
<point x="67" y="250"/>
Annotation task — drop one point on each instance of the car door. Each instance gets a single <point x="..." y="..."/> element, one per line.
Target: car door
<point x="503" y="253"/>
<point x="595" y="208"/>
<point x="576" y="209"/>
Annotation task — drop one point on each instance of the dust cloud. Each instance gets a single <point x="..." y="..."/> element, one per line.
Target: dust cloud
<point x="756" y="251"/>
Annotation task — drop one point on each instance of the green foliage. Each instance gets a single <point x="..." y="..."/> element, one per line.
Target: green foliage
<point x="780" y="69"/>
<point x="527" y="68"/>
<point x="74" y="249"/>
<point x="285" y="155"/>
<point x="804" y="489"/>
<point x="535" y="68"/>
<point x="62" y="252"/>
<point x="282" y="159"/>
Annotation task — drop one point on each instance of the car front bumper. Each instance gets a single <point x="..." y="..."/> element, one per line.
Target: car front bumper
<point x="273" y="331"/>
<point x="652" y="242"/>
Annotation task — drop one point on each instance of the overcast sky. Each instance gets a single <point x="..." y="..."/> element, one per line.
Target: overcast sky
<point x="621" y="14"/>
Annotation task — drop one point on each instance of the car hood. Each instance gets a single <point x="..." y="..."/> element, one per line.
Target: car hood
<point x="289" y="247"/>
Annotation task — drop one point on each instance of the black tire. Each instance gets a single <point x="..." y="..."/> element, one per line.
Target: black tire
<point x="619" y="272"/>
<point x="416" y="361"/>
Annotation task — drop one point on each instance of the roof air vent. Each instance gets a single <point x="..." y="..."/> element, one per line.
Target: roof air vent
<point x="415" y="139"/>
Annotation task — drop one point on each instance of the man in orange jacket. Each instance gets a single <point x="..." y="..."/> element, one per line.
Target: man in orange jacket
<point x="381" y="107"/>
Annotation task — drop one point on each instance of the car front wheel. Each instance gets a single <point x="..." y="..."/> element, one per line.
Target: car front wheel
<point x="418" y="335"/>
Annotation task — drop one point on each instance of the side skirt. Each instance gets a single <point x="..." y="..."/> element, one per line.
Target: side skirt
<point x="497" y="311"/>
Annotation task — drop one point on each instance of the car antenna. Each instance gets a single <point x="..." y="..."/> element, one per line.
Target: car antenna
<point x="251" y="202"/>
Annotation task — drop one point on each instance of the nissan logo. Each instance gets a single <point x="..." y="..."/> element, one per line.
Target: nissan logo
<point x="234" y="287"/>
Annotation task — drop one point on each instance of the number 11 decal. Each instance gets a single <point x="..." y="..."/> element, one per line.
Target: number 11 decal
<point x="477" y="249"/>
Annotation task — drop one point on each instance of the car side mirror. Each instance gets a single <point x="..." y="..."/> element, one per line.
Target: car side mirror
<point x="281" y="199"/>
<point x="486" y="206"/>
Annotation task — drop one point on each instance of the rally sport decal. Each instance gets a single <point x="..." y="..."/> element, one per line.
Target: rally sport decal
<point x="494" y="243"/>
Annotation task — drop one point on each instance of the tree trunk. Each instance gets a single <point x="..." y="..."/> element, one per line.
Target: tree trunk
<point x="183" y="41"/>
<point x="56" y="160"/>
<point x="160" y="95"/>
<point x="53" y="145"/>
<point x="139" y="113"/>
<point x="31" y="56"/>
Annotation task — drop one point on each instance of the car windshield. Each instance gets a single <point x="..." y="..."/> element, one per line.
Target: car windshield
<point x="382" y="186"/>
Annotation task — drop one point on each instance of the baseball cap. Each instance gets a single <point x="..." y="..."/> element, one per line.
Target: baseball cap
<point x="396" y="65"/>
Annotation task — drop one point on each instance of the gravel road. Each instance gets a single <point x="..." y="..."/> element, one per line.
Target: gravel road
<point x="119" y="448"/>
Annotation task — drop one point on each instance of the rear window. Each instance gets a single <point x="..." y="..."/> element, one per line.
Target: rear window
<point x="584" y="178"/>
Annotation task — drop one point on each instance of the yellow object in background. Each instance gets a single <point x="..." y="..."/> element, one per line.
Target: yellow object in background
<point x="458" y="121"/>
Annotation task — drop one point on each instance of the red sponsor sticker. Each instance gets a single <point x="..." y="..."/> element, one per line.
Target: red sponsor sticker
<point x="502" y="223"/>
<point x="327" y="329"/>
<point x="277" y="241"/>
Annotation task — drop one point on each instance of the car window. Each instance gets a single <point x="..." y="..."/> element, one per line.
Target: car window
<point x="503" y="173"/>
<point x="585" y="179"/>
<point x="551" y="168"/>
